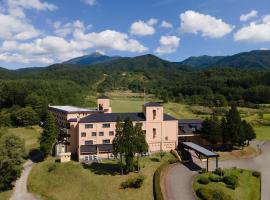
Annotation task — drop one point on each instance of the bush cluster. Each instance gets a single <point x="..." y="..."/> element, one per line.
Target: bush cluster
<point x="218" y="171"/>
<point x="135" y="182"/>
<point x="155" y="159"/>
<point x="203" y="180"/>
<point x="215" y="178"/>
<point x="211" y="194"/>
<point x="231" y="181"/>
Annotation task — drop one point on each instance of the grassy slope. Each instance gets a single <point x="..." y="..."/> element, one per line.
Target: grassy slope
<point x="71" y="181"/>
<point x="249" y="186"/>
<point x="29" y="134"/>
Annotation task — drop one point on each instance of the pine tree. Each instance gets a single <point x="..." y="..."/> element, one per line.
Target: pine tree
<point x="118" y="141"/>
<point x="212" y="130"/>
<point x="234" y="126"/>
<point x="249" y="131"/>
<point x="49" y="136"/>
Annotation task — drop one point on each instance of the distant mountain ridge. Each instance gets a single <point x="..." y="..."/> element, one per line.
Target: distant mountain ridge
<point x="257" y="59"/>
<point x="93" y="58"/>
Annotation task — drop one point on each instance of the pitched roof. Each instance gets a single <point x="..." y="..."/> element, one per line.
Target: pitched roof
<point x="114" y="117"/>
<point x="103" y="97"/>
<point x="152" y="104"/>
<point x="190" y="121"/>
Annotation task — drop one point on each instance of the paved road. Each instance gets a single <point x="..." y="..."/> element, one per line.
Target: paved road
<point x="20" y="190"/>
<point x="178" y="179"/>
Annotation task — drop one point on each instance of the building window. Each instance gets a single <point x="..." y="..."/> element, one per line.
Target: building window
<point x="106" y="141"/>
<point x="166" y="138"/>
<point x="111" y="133"/>
<point x="94" y="133"/>
<point x="154" y="114"/>
<point x="106" y="125"/>
<point x="88" y="125"/>
<point x="88" y="142"/>
<point x="154" y="133"/>
<point x="83" y="134"/>
<point x="101" y="133"/>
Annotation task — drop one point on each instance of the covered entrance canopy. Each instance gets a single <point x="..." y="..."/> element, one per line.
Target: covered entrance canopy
<point x="201" y="150"/>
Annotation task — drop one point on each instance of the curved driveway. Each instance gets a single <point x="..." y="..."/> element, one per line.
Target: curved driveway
<point x="178" y="179"/>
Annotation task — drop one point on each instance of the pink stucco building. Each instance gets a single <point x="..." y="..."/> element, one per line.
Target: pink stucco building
<point x="90" y="132"/>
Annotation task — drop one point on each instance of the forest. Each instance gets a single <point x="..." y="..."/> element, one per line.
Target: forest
<point x="27" y="92"/>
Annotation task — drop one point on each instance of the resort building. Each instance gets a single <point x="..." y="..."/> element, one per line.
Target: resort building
<point x="89" y="133"/>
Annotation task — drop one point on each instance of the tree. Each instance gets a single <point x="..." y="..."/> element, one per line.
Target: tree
<point x="128" y="141"/>
<point x="49" y="135"/>
<point x="12" y="151"/>
<point x="249" y="131"/>
<point x="234" y="127"/>
<point x="25" y="117"/>
<point x="211" y="130"/>
<point x="118" y="141"/>
<point x="141" y="144"/>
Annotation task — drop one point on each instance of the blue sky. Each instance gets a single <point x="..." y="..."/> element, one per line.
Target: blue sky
<point x="40" y="33"/>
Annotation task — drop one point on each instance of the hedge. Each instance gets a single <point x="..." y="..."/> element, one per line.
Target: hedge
<point x="156" y="182"/>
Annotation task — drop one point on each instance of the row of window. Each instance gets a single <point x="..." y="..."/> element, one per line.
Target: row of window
<point x="101" y="133"/>
<point x="90" y="142"/>
<point x="107" y="125"/>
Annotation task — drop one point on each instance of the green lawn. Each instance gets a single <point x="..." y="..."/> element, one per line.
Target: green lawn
<point x="262" y="132"/>
<point x="248" y="189"/>
<point x="100" y="181"/>
<point x="29" y="134"/>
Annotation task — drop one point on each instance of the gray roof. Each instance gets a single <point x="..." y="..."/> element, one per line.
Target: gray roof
<point x="152" y="104"/>
<point x="71" y="109"/>
<point x="190" y="121"/>
<point x="199" y="149"/>
<point x="114" y="117"/>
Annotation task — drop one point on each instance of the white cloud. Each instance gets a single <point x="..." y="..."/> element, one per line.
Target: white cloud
<point x="207" y="25"/>
<point x="168" y="44"/>
<point x="90" y="2"/>
<point x="16" y="7"/>
<point x="264" y="49"/>
<point x="108" y="39"/>
<point x="143" y="28"/>
<point x="65" y="29"/>
<point x="14" y="28"/>
<point x="165" y="24"/>
<point x="255" y="32"/>
<point x="251" y="14"/>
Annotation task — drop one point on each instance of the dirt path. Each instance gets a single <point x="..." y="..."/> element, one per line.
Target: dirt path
<point x="20" y="190"/>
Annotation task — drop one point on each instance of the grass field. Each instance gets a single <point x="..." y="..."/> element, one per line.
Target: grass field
<point x="29" y="134"/>
<point x="262" y="132"/>
<point x="249" y="186"/>
<point x="100" y="181"/>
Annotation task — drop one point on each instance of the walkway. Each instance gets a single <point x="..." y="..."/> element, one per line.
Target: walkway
<point x="179" y="178"/>
<point x="20" y="190"/>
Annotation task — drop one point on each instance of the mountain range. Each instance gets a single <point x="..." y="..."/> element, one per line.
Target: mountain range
<point x="257" y="59"/>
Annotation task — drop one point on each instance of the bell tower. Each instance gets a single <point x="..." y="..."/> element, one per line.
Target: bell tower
<point x="103" y="103"/>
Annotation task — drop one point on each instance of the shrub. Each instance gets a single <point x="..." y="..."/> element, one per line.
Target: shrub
<point x="256" y="174"/>
<point x="202" y="171"/>
<point x="211" y="194"/>
<point x="231" y="181"/>
<point x="135" y="182"/>
<point x="155" y="159"/>
<point x="218" y="171"/>
<point x="203" y="180"/>
<point x="215" y="178"/>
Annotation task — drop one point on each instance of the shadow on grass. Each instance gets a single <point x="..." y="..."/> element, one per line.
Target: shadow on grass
<point x="35" y="155"/>
<point x="103" y="168"/>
